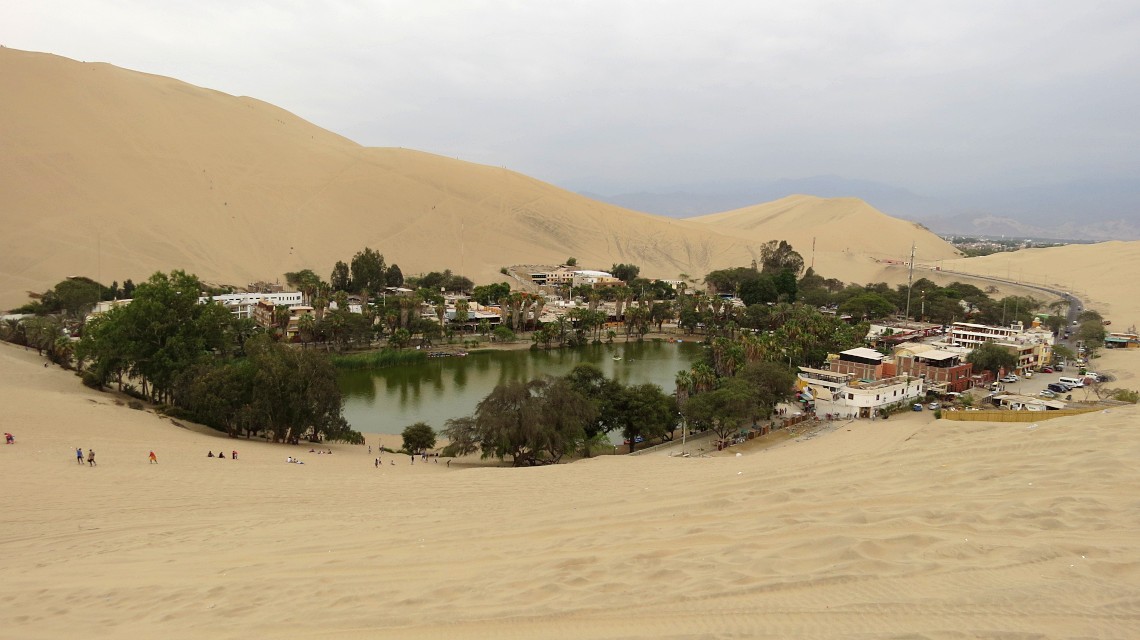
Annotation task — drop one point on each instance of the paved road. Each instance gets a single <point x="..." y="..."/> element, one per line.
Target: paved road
<point x="1076" y="306"/>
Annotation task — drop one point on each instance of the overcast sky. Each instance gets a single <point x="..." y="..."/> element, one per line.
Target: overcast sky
<point x="613" y="96"/>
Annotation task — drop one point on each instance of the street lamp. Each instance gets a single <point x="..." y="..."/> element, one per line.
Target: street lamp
<point x="684" y="431"/>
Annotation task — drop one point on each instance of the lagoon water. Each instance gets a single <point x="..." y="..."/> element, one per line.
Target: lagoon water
<point x="387" y="400"/>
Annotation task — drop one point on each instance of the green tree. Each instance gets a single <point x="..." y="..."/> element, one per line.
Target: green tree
<point x="625" y="272"/>
<point x="777" y="256"/>
<point x="589" y="381"/>
<point x="341" y="279"/>
<point x="643" y="411"/>
<point x="993" y="358"/>
<point x="565" y="414"/>
<point x="418" y="437"/>
<point x="368" y="271"/>
<point x="1092" y="333"/>
<point x="785" y="283"/>
<point x="462" y="436"/>
<point x="507" y="422"/>
<point x="726" y="409"/>
<point x="759" y="290"/>
<point x="394" y="277"/>
<point x="868" y="305"/>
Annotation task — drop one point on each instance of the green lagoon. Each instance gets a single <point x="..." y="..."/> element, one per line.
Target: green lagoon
<point x="387" y="400"/>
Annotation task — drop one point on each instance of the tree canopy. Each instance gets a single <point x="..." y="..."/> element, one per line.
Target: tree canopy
<point x="992" y="357"/>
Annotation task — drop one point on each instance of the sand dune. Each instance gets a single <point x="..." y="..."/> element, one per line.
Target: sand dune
<point x="1096" y="272"/>
<point x="114" y="174"/>
<point x="899" y="528"/>
<point x="849" y="235"/>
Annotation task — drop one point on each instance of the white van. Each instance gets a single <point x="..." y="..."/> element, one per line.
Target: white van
<point x="1072" y="382"/>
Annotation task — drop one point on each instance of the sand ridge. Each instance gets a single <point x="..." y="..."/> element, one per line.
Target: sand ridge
<point x="904" y="526"/>
<point x="115" y="174"/>
<point x="1095" y="272"/>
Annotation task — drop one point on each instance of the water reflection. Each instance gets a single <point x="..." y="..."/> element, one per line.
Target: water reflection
<point x="388" y="400"/>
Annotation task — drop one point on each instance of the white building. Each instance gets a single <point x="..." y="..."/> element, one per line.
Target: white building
<point x="842" y="394"/>
<point x="1033" y="347"/>
<point x="242" y="304"/>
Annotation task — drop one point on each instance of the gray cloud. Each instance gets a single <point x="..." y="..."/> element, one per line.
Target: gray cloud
<point x="618" y="96"/>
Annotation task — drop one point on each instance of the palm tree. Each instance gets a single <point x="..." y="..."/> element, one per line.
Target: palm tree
<point x="536" y="309"/>
<point x="461" y="313"/>
<point x="703" y="377"/>
<point x="306" y="327"/>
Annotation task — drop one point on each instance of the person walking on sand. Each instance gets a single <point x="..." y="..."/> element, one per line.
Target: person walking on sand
<point x="91" y="458"/>
<point x="79" y="455"/>
<point x="233" y="455"/>
<point x="153" y="458"/>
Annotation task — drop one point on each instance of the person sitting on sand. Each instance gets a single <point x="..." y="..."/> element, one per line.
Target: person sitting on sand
<point x="153" y="458"/>
<point x="210" y="454"/>
<point x="289" y="459"/>
<point x="221" y="454"/>
<point x="9" y="438"/>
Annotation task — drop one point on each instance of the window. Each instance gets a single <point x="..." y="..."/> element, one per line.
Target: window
<point x="851" y="396"/>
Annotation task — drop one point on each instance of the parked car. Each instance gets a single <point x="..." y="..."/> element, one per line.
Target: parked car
<point x="1046" y="369"/>
<point x="1094" y="375"/>
<point x="1057" y="387"/>
<point x="916" y="407"/>
<point x="1045" y="393"/>
<point x="1058" y="368"/>
<point x="934" y="405"/>
<point x="1009" y="379"/>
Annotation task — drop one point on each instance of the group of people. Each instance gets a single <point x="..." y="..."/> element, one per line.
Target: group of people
<point x="221" y="454"/>
<point x="90" y="456"/>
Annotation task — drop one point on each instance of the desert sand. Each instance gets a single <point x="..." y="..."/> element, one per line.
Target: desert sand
<point x="899" y="528"/>
<point x="116" y="174"/>
<point x="1102" y="274"/>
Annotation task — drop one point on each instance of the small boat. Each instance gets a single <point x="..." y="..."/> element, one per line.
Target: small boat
<point x="617" y="358"/>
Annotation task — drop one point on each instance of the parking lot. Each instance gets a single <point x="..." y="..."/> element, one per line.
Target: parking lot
<point x="1033" y="386"/>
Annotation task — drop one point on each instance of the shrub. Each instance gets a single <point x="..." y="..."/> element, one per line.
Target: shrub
<point x="938" y="414"/>
<point x="378" y="359"/>
<point x="135" y="404"/>
<point x="1126" y="395"/>
<point x="91" y="380"/>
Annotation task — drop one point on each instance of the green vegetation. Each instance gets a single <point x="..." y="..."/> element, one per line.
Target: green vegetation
<point x="625" y="272"/>
<point x="725" y="404"/>
<point x="418" y="438"/>
<point x="993" y="358"/>
<point x="541" y="421"/>
<point x="211" y="367"/>
<point x="1126" y="395"/>
<point x="378" y="359"/>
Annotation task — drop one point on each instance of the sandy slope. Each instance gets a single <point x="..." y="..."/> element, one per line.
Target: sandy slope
<point x="899" y="528"/>
<point x="850" y="236"/>
<point x="114" y="174"/>
<point x="1103" y="274"/>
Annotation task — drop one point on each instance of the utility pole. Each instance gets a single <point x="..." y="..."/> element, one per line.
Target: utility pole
<point x="909" y="283"/>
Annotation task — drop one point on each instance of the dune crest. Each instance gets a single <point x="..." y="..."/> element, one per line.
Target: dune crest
<point x="1095" y="272"/>
<point x="112" y="173"/>
<point x="115" y="174"/>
